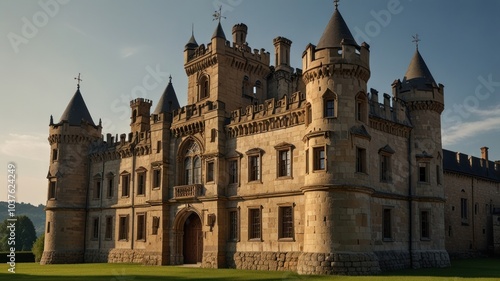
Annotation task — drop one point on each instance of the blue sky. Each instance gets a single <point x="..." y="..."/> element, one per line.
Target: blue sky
<point x="128" y="48"/>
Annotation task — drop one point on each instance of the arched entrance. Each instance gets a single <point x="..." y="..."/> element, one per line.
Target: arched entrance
<point x="193" y="240"/>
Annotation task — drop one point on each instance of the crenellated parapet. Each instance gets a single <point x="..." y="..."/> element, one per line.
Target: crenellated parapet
<point x="390" y="116"/>
<point x="114" y="148"/>
<point x="271" y="115"/>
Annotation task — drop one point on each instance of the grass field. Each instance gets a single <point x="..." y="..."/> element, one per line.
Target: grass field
<point x="468" y="270"/>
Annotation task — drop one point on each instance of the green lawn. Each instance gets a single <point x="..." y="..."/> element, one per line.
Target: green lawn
<point x="479" y="269"/>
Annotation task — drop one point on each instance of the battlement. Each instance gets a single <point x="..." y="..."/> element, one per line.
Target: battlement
<point x="284" y="40"/>
<point x="391" y="109"/>
<point x="196" y="110"/>
<point x="141" y="101"/>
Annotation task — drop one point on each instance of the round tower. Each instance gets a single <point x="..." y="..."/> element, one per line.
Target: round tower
<point x="68" y="182"/>
<point x="336" y="72"/>
<point x="240" y="34"/>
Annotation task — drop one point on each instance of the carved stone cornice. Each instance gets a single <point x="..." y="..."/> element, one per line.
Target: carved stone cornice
<point x="426" y="105"/>
<point x="330" y="70"/>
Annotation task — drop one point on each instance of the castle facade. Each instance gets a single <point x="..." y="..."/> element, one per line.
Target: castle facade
<point x="268" y="167"/>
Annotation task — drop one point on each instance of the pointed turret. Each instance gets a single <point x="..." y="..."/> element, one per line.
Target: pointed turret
<point x="191" y="44"/>
<point x="418" y="75"/>
<point x="76" y="112"/>
<point x="219" y="32"/>
<point x="168" y="101"/>
<point x="335" y="32"/>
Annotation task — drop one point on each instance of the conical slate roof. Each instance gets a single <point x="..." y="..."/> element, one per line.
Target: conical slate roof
<point x="192" y="44"/>
<point x="76" y="112"/>
<point x="335" y="32"/>
<point x="418" y="74"/>
<point x="219" y="32"/>
<point x="168" y="101"/>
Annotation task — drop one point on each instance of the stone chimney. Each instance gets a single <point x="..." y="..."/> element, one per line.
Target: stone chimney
<point x="484" y="155"/>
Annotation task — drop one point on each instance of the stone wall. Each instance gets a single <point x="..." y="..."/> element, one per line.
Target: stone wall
<point x="393" y="260"/>
<point x="496" y="234"/>
<point x="425" y="259"/>
<point x="277" y="261"/>
<point x="55" y="257"/>
<point x="345" y="263"/>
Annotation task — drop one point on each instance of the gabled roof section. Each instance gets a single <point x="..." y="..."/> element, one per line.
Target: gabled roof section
<point x="418" y="74"/>
<point x="335" y="32"/>
<point x="168" y="101"/>
<point x="219" y="32"/>
<point x="76" y="112"/>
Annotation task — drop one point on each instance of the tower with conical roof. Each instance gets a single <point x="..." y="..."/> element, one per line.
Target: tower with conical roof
<point x="67" y="190"/>
<point x="336" y="72"/>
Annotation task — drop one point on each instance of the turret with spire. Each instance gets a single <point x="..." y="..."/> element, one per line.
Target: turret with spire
<point x="67" y="186"/>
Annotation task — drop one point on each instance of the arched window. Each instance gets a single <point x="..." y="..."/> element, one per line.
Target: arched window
<point x="329" y="104"/>
<point x="362" y="108"/>
<point x="192" y="164"/>
<point x="134" y="115"/>
<point x="204" y="87"/>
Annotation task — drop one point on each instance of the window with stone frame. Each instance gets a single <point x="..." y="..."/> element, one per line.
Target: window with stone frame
<point x="192" y="164"/>
<point x="464" y="211"/>
<point x="123" y="227"/>
<point x="425" y="225"/>
<point x="329" y="104"/>
<point x="111" y="185"/>
<point x="141" y="227"/>
<point x="95" y="228"/>
<point x="55" y="154"/>
<point x="307" y="161"/>
<point x="361" y="160"/>
<point x="255" y="164"/>
<point x="204" y="87"/>
<point x="108" y="233"/>
<point x="97" y="187"/>
<point x="423" y="172"/>
<point x="156" y="177"/>
<point x="125" y="183"/>
<point x="255" y="224"/>
<point x="48" y="227"/>
<point x="156" y="225"/>
<point x="52" y="189"/>
<point x="233" y="170"/>
<point x="284" y="156"/>
<point x="387" y="234"/>
<point x="210" y="171"/>
<point x="234" y="225"/>
<point x="385" y="158"/>
<point x="319" y="158"/>
<point x="141" y="181"/>
<point x="362" y="107"/>
<point x="285" y="222"/>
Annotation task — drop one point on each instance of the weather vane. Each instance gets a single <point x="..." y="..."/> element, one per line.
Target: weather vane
<point x="416" y="39"/>
<point x="336" y="4"/>
<point x="218" y="14"/>
<point x="79" y="80"/>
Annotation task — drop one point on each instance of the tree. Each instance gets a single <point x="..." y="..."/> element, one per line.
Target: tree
<point x="38" y="247"/>
<point x="24" y="234"/>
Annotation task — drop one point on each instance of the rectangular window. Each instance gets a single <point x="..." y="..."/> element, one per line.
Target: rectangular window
<point x="95" y="228"/>
<point x="110" y="187"/>
<point x="156" y="178"/>
<point x="125" y="185"/>
<point x="233" y="171"/>
<point x="284" y="164"/>
<point x="438" y="174"/>
<point x="52" y="190"/>
<point x="210" y="171"/>
<point x="387" y="225"/>
<point x="141" y="183"/>
<point x="97" y="189"/>
<point x="319" y="158"/>
<point x="359" y="110"/>
<point x="54" y="154"/>
<point x="156" y="225"/>
<point x="329" y="108"/>
<point x="254" y="221"/>
<point x="464" y="215"/>
<point x="307" y="161"/>
<point x="361" y="160"/>
<point x="48" y="227"/>
<point x="108" y="235"/>
<point x="285" y="222"/>
<point x="425" y="232"/>
<point x="123" y="228"/>
<point x="254" y="168"/>
<point x="158" y="146"/>
<point x="423" y="172"/>
<point x="385" y="168"/>
<point x="233" y="226"/>
<point x="141" y="227"/>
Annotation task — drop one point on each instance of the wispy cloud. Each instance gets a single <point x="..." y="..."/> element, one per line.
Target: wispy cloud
<point x="472" y="129"/>
<point x="32" y="147"/>
<point x="77" y="30"/>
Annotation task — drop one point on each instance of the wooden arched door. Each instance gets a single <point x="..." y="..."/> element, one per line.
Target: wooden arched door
<point x="193" y="240"/>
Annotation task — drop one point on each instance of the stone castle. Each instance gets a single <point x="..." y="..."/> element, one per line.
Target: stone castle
<point x="271" y="167"/>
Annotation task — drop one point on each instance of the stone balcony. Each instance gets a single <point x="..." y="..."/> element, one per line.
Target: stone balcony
<point x="188" y="191"/>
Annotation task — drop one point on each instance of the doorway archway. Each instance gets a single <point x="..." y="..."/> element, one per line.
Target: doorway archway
<point x="192" y="240"/>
